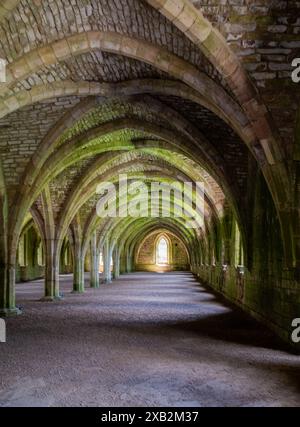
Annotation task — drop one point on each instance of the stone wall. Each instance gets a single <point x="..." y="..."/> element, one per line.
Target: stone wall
<point x="146" y="255"/>
<point x="275" y="302"/>
<point x="258" y="282"/>
<point x="265" y="35"/>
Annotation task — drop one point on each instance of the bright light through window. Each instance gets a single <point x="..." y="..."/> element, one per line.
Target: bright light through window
<point x="162" y="251"/>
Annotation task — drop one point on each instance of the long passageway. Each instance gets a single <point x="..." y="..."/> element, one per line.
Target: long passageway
<point x="147" y="339"/>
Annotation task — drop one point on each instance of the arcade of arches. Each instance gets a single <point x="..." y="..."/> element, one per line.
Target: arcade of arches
<point x="157" y="90"/>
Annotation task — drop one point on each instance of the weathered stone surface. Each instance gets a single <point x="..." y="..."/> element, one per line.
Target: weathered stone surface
<point x="158" y="90"/>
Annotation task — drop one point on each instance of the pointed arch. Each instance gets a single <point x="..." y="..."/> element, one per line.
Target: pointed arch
<point x="163" y="250"/>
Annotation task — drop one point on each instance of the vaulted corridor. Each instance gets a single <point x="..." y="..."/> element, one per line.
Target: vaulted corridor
<point x="149" y="158"/>
<point x="146" y="340"/>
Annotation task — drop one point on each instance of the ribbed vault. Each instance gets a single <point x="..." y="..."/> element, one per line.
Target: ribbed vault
<point x="151" y="90"/>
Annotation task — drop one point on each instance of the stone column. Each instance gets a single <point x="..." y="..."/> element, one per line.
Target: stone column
<point x="116" y="264"/>
<point x="128" y="263"/>
<point x="51" y="272"/>
<point x="51" y="244"/>
<point x="7" y="261"/>
<point x="7" y="291"/>
<point x="78" y="272"/>
<point x="94" y="262"/>
<point x="122" y="262"/>
<point x="106" y="261"/>
<point x="227" y="251"/>
<point x="192" y="260"/>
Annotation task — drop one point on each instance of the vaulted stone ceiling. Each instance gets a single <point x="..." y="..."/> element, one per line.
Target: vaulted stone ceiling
<point x="160" y="88"/>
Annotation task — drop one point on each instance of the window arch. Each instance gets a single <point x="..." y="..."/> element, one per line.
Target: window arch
<point x="162" y="251"/>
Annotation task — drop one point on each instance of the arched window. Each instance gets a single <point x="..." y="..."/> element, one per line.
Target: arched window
<point x="162" y="251"/>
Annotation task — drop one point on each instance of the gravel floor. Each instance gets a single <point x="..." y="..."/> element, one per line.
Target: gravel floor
<point x="146" y="339"/>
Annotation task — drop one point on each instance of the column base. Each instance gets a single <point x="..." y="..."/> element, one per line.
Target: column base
<point x="106" y="281"/>
<point x="78" y="292"/>
<point x="10" y="312"/>
<point x="50" y="299"/>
